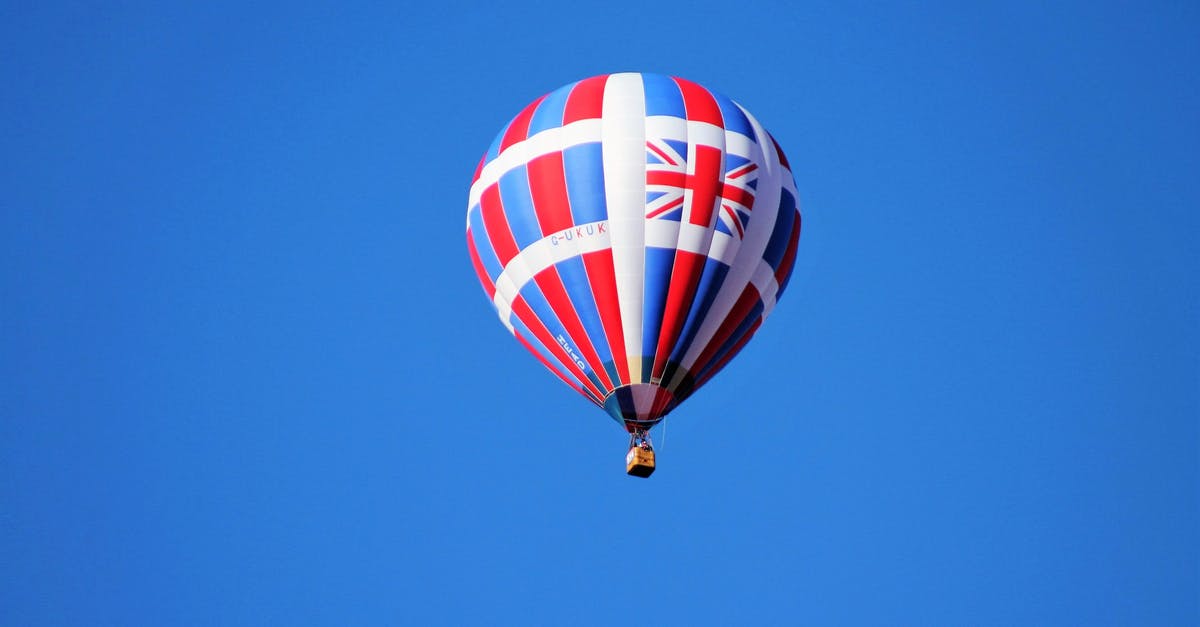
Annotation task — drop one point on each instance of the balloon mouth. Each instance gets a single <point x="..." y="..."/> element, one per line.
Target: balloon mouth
<point x="639" y="405"/>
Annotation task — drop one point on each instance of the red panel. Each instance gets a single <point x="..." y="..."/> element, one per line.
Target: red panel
<point x="550" y="282"/>
<point x="738" y="195"/>
<point x="671" y="179"/>
<point x="558" y="373"/>
<point x="685" y="276"/>
<point x="662" y="400"/>
<point x="599" y="266"/>
<point x="586" y="100"/>
<point x="548" y="185"/>
<point x="496" y="225"/>
<point x="700" y="104"/>
<point x="525" y="314"/>
<point x="705" y="183"/>
<point x="518" y="130"/>
<point x="740" y="310"/>
<point x="479" y="269"/>
<point x="782" y="157"/>
<point x="479" y="169"/>
<point x="737" y="348"/>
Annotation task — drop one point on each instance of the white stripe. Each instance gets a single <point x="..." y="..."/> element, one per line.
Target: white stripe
<point x="541" y="255"/>
<point x="555" y="248"/>
<point x="587" y="131"/>
<point x="623" y="136"/>
<point x="670" y="127"/>
<point x="754" y="243"/>
<point x="662" y="233"/>
<point x="544" y="143"/>
<point x="764" y="282"/>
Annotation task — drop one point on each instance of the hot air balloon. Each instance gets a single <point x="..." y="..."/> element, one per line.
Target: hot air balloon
<point x="633" y="231"/>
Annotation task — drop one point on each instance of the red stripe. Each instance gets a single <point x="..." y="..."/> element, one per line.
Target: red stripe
<point x="699" y="104"/>
<point x="782" y="158"/>
<point x="548" y="186"/>
<point x="662" y="400"/>
<point x="737" y="348"/>
<point x="665" y="208"/>
<point x="479" y="269"/>
<point x="685" y="275"/>
<point x="479" y="168"/>
<point x="599" y="267"/>
<point x="742" y="171"/>
<point x="586" y="100"/>
<point x="667" y="179"/>
<point x="704" y="184"/>
<point x="525" y="314"/>
<point x="738" y="195"/>
<point x="789" y="257"/>
<point x="558" y="373"/>
<point x="496" y="225"/>
<point x="737" y="220"/>
<point x="740" y="310"/>
<point x="518" y="129"/>
<point x="551" y="284"/>
<point x="661" y="155"/>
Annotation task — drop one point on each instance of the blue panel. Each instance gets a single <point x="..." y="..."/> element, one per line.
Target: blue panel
<point x="722" y="228"/>
<point x="542" y="309"/>
<point x="710" y="283"/>
<point x="733" y="162"/>
<point x="584" y="167"/>
<point x="494" y="149"/>
<point x="742" y="329"/>
<point x="787" y="278"/>
<point x="735" y="120"/>
<point x="659" y="262"/>
<point x="663" y="96"/>
<point x="653" y="196"/>
<point x="491" y="263"/>
<point x="575" y="280"/>
<point x="620" y="406"/>
<point x="675" y="215"/>
<point x="777" y="246"/>
<point x="678" y="146"/>
<point x="549" y="113"/>
<point x="518" y="207"/>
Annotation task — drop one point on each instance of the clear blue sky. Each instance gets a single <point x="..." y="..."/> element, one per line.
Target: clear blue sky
<point x="247" y="376"/>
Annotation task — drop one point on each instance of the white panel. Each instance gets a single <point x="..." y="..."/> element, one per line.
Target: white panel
<point x="544" y="143"/>
<point x="689" y="237"/>
<point x="764" y="282"/>
<point x="754" y="243"/>
<point x="542" y="254"/>
<point x="623" y="136"/>
<point x="666" y="127"/>
<point x="723" y="248"/>
<point x="643" y="399"/>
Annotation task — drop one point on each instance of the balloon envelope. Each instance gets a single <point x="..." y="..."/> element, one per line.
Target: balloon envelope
<point x="632" y="232"/>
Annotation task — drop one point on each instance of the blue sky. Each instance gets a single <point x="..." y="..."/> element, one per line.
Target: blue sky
<point x="248" y="376"/>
